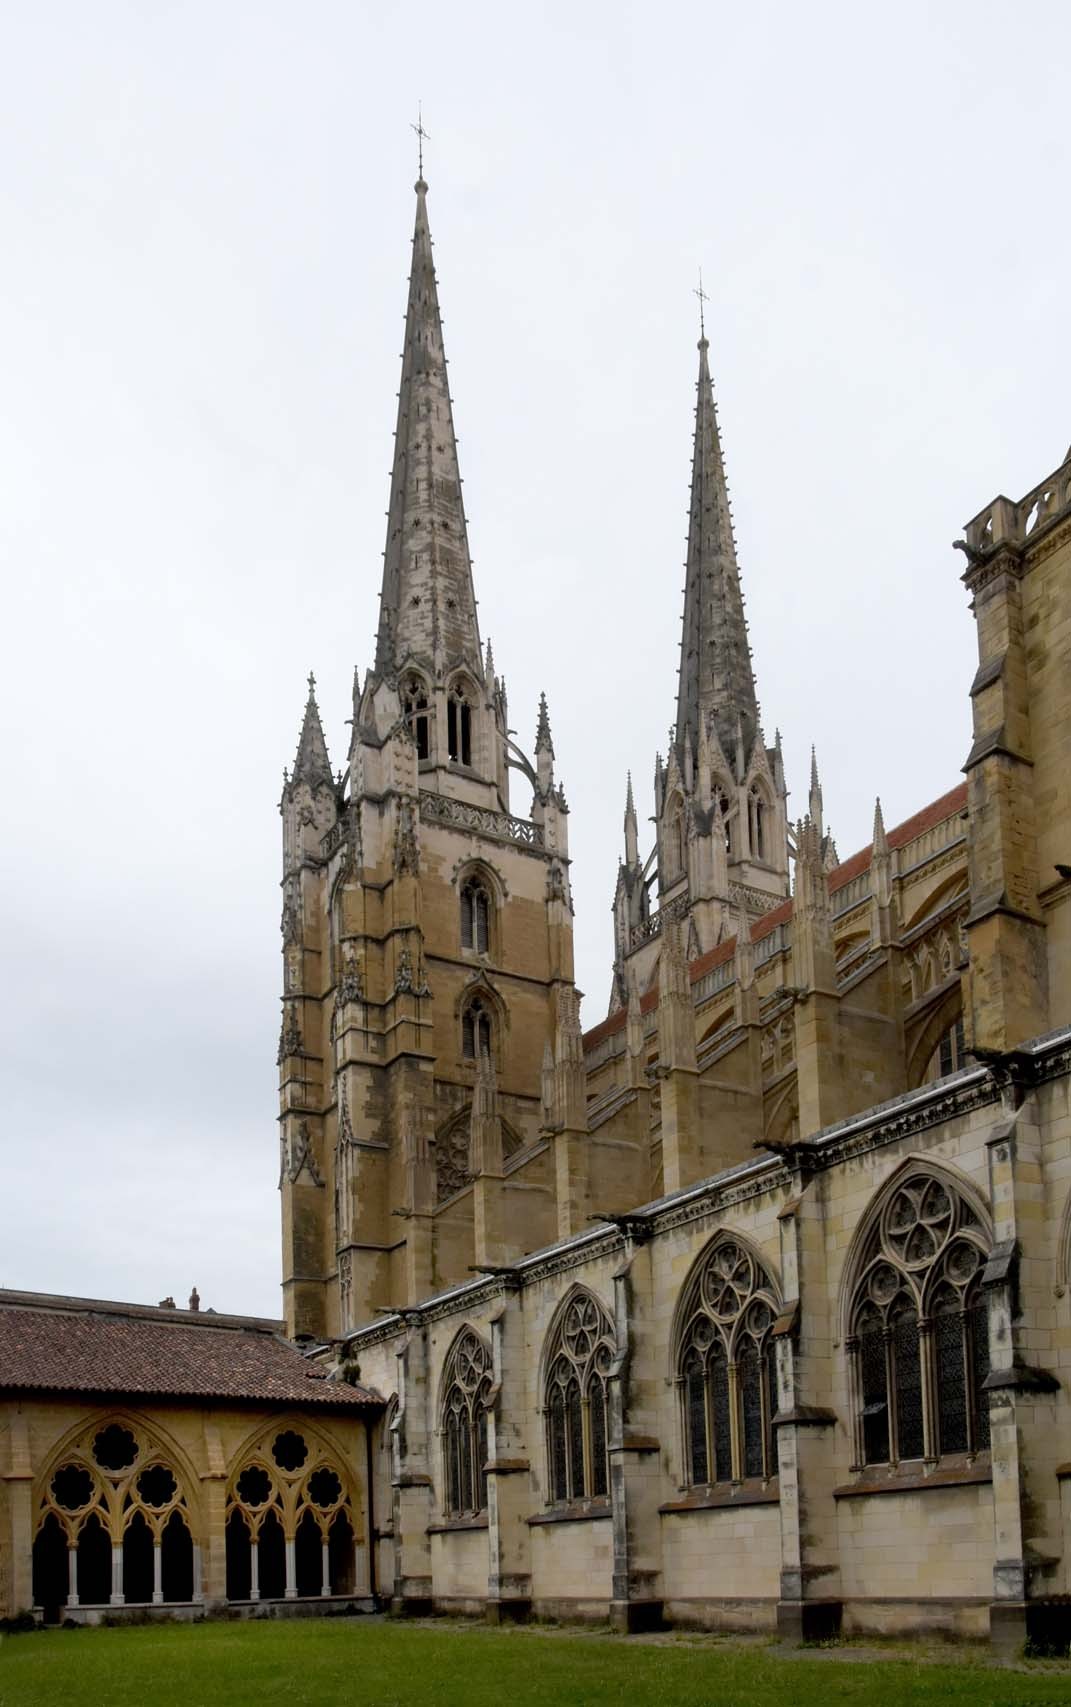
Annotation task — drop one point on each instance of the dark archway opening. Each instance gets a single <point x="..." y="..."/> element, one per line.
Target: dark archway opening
<point x="50" y="1568"/>
<point x="176" y="1559"/>
<point x="340" y="1555"/>
<point x="239" y="1558"/>
<point x="137" y="1561"/>
<point x="308" y="1556"/>
<point x="271" y="1559"/>
<point x="94" y="1563"/>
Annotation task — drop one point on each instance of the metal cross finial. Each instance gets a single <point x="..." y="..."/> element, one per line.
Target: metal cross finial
<point x="312" y="684"/>
<point x="421" y="135"/>
<point x="703" y="297"/>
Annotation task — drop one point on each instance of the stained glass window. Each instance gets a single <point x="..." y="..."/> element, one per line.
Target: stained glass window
<point x="919" y="1327"/>
<point x="466" y="1387"/>
<point x="581" y="1352"/>
<point x="728" y="1314"/>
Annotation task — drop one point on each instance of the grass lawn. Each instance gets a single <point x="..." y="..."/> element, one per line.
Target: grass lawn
<point x="373" y="1663"/>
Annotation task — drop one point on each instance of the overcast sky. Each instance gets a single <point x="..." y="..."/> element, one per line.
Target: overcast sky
<point x="206" y="213"/>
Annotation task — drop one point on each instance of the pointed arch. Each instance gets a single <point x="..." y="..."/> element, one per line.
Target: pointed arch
<point x="722" y="1348"/>
<point x="155" y="1444"/>
<point x="915" y="1318"/>
<point x="465" y="1388"/>
<point x="928" y="1166"/>
<point x="578" y="1351"/>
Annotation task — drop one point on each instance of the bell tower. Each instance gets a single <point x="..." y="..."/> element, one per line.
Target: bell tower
<point x="427" y="929"/>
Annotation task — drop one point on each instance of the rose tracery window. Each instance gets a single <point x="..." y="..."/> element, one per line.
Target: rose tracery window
<point x="725" y="1364"/>
<point x="290" y="1522"/>
<point x="576" y="1401"/>
<point x="919" y="1332"/>
<point x="113" y="1519"/>
<point x="475" y="916"/>
<point x="467" y="1381"/>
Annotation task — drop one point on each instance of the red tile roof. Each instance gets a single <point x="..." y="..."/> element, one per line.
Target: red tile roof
<point x="82" y="1346"/>
<point x="936" y="813"/>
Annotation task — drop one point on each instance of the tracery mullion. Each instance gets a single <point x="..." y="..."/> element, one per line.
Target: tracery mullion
<point x="928" y="1376"/>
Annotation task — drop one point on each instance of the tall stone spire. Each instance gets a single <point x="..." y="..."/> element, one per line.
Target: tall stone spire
<point x="312" y="764"/>
<point x="715" y="674"/>
<point x="427" y="603"/>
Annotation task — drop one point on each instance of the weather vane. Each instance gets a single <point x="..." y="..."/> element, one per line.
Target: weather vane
<point x="703" y="297"/>
<point x="421" y="135"/>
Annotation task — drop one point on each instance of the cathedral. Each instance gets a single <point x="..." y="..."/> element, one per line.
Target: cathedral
<point x="746" y="1308"/>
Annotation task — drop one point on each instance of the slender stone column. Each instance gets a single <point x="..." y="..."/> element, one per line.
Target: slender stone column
<point x="72" y="1576"/>
<point x="254" y="1570"/>
<point x="117" y="1596"/>
<point x="198" y="1580"/>
<point x="325" y="1582"/>
<point x="361" y="1583"/>
<point x="157" y="1574"/>
<point x="291" y="1572"/>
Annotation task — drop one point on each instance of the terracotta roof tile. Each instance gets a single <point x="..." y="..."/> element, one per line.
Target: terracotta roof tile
<point x="936" y="813"/>
<point x="91" y="1350"/>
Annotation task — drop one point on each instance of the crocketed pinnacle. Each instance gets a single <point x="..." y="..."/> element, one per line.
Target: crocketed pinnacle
<point x="427" y="603"/>
<point x="312" y="764"/>
<point x="716" y="677"/>
<point x="543" y="740"/>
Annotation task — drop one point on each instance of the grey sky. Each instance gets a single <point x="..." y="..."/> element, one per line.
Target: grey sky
<point x="206" y="215"/>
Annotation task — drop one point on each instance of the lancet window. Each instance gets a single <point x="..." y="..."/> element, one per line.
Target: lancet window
<point x="459" y="725"/>
<point x="475" y="916"/>
<point x="950" y="1054"/>
<point x="725" y="1368"/>
<point x="467" y="1381"/>
<point x="578" y="1365"/>
<point x="919" y="1340"/>
<point x="475" y="1030"/>
<point x="417" y="714"/>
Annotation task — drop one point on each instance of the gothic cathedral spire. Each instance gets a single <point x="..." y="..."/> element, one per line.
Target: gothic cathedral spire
<point x="427" y="602"/>
<point x="716" y="676"/>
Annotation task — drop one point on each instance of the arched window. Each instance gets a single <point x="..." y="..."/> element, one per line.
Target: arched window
<point x="919" y="1339"/>
<point x="475" y="1030"/>
<point x="475" y="916"/>
<point x="289" y="1512"/>
<point x="417" y="715"/>
<point x="467" y="1381"/>
<point x="459" y="725"/>
<point x="725" y="1365"/>
<point x="578" y="1363"/>
<point x="114" y="1492"/>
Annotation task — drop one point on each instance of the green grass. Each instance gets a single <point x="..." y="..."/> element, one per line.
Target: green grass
<point x="369" y="1663"/>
